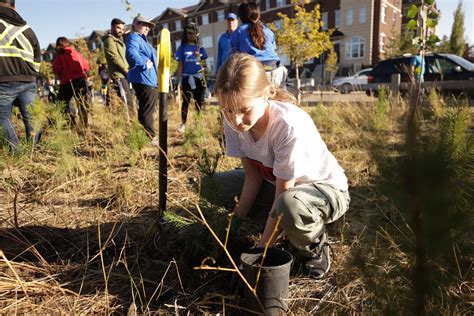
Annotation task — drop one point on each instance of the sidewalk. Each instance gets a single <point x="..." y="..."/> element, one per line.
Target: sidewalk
<point x="313" y="98"/>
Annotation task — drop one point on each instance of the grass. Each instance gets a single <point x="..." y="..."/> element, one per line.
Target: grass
<point x="78" y="228"/>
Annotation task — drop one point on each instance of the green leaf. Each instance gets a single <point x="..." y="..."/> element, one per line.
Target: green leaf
<point x="433" y="39"/>
<point x="433" y="15"/>
<point x="429" y="2"/>
<point x="412" y="11"/>
<point x="412" y="25"/>
<point x="431" y="23"/>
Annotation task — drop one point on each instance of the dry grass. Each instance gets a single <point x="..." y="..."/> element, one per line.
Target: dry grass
<point x="79" y="233"/>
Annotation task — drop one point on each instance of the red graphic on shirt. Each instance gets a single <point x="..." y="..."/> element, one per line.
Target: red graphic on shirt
<point x="265" y="172"/>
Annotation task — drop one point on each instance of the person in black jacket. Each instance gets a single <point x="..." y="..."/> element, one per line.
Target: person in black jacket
<point x="19" y="67"/>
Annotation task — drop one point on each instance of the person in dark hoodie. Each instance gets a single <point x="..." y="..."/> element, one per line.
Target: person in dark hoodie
<point x="72" y="69"/>
<point x="20" y="57"/>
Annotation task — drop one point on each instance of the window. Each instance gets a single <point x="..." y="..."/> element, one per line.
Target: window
<point x="383" y="14"/>
<point x="93" y="46"/>
<point x="382" y="42"/>
<point x="324" y="19"/>
<point x="364" y="72"/>
<point x="355" y="47"/>
<point x="177" y="44"/>
<point x="207" y="41"/>
<point x="349" y="16"/>
<point x="277" y="24"/>
<point x="220" y="16"/>
<point x="281" y="3"/>
<point x="178" y="26"/>
<point x="205" y="19"/>
<point x="165" y="26"/>
<point x="268" y="4"/>
<point x="337" y="18"/>
<point x="210" y="64"/>
<point x="309" y="61"/>
<point x="446" y="65"/>
<point x="394" y="16"/>
<point x="362" y="14"/>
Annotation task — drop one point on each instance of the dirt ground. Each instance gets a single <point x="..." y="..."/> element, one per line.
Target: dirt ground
<point x="80" y="228"/>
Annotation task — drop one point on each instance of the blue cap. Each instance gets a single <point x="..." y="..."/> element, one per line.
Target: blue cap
<point x="232" y="16"/>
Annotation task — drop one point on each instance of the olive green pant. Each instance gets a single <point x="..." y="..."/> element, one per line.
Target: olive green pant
<point x="305" y="209"/>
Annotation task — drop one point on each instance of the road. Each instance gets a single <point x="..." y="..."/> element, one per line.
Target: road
<point x="328" y="97"/>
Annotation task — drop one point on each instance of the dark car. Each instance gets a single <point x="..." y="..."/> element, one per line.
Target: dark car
<point x="437" y="67"/>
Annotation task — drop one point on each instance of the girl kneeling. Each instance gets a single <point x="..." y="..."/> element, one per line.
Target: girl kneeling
<point x="285" y="162"/>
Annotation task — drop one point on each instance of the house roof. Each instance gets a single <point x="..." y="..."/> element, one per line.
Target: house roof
<point x="96" y="34"/>
<point x="178" y="12"/>
<point x="204" y="2"/>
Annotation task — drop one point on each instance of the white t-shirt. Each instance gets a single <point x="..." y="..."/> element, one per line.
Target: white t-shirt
<point x="291" y="148"/>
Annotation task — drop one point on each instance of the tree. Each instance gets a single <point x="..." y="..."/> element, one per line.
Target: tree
<point x="331" y="64"/>
<point x="443" y="45"/>
<point x="401" y="43"/>
<point x="92" y="57"/>
<point x="301" y="37"/>
<point x="46" y="70"/>
<point x="457" y="41"/>
<point x="423" y="19"/>
<point x="127" y="4"/>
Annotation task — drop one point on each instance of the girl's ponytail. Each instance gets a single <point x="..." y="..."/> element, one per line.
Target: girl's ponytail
<point x="249" y="12"/>
<point x="257" y="35"/>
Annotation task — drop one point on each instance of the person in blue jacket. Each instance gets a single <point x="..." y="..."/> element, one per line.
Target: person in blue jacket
<point x="254" y="38"/>
<point x="141" y="57"/>
<point x="417" y="68"/>
<point x="190" y="71"/>
<point x="223" y="47"/>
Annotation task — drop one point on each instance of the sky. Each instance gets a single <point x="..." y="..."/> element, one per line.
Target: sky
<point x="71" y="18"/>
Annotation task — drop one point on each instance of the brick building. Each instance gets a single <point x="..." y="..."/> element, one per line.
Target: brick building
<point x="362" y="28"/>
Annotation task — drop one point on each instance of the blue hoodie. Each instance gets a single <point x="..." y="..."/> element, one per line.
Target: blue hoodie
<point x="241" y="41"/>
<point x="138" y="53"/>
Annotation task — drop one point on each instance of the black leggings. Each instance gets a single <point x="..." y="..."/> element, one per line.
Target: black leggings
<point x="78" y="90"/>
<point x="188" y="93"/>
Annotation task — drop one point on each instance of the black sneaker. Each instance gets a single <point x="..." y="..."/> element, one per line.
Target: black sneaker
<point x="318" y="266"/>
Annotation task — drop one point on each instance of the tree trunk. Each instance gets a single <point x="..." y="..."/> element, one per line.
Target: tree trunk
<point x="298" y="84"/>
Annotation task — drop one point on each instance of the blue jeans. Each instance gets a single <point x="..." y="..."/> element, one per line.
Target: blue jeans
<point x="22" y="94"/>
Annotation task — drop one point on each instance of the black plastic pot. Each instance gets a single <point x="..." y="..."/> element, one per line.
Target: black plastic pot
<point x="272" y="288"/>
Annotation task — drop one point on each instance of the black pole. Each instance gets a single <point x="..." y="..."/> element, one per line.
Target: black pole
<point x="163" y="176"/>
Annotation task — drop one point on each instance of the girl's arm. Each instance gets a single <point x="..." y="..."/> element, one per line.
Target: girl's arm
<point x="270" y="226"/>
<point x="252" y="183"/>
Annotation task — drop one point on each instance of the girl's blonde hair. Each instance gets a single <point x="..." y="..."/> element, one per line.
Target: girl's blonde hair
<point x="243" y="77"/>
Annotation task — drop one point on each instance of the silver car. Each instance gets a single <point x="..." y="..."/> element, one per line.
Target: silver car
<point x="352" y="83"/>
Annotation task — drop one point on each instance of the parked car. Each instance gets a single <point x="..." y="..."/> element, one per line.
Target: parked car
<point x="437" y="67"/>
<point x="351" y="83"/>
<point x="305" y="83"/>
